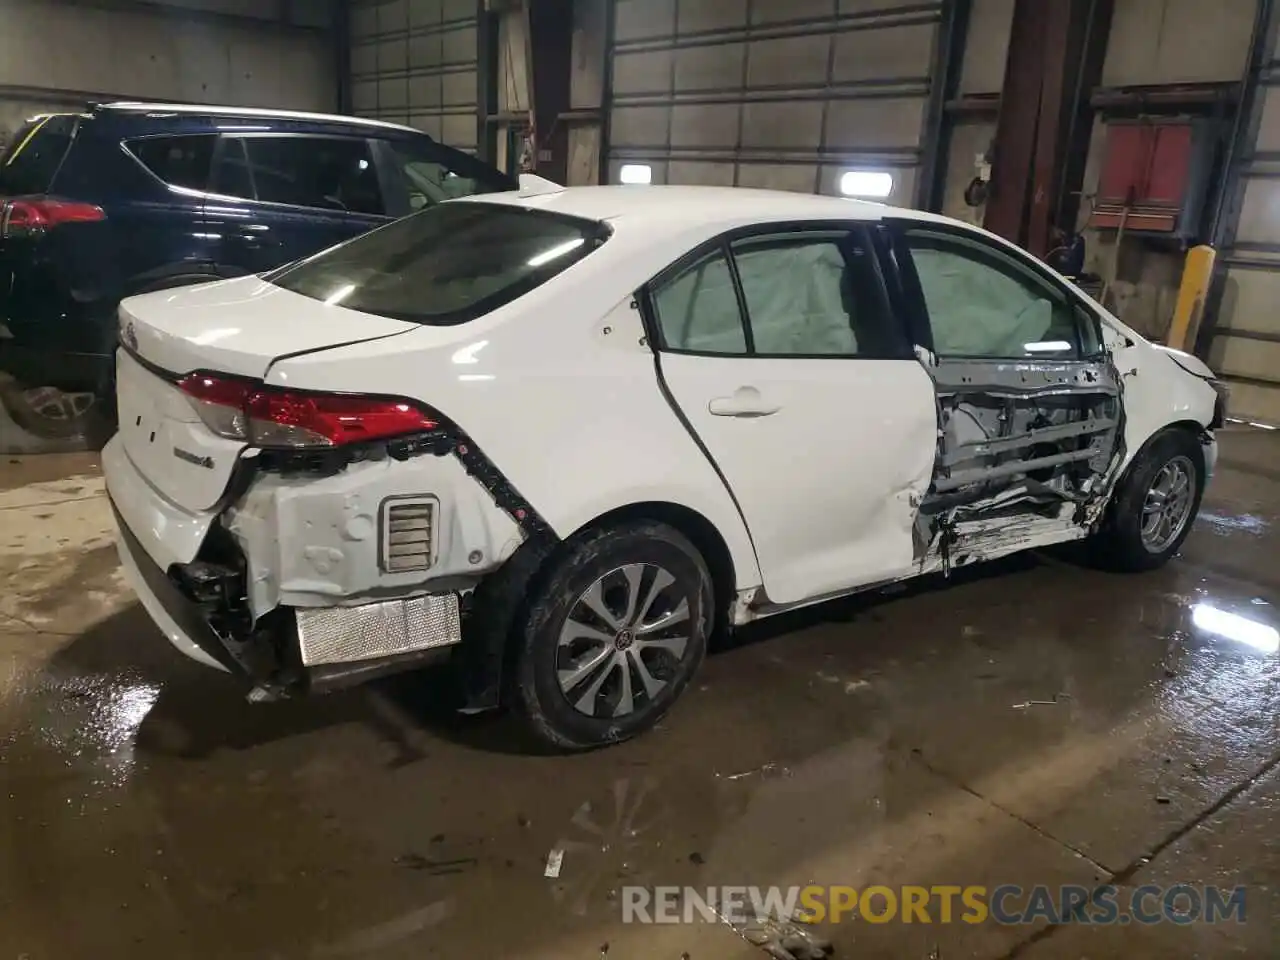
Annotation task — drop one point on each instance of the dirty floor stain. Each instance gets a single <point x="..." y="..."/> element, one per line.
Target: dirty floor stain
<point x="1034" y="723"/>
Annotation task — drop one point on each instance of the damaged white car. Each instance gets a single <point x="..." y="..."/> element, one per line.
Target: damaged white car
<point x="560" y="437"/>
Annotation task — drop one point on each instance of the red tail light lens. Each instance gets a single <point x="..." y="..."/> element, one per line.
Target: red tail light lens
<point x="30" y="216"/>
<point x="273" y="417"/>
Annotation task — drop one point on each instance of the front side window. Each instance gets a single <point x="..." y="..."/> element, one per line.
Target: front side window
<point x="322" y="173"/>
<point x="445" y="265"/>
<point x="984" y="303"/>
<point x="432" y="173"/>
<point x="178" y="161"/>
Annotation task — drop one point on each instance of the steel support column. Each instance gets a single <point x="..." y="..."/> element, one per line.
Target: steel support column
<point x="1055" y="54"/>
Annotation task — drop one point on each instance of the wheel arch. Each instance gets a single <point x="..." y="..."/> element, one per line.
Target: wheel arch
<point x="700" y="531"/>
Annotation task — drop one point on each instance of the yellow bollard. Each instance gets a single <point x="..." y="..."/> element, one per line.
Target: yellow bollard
<point x="1196" y="274"/>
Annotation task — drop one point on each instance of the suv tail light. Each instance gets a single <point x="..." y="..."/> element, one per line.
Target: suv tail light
<point x="296" y="419"/>
<point x="22" y="217"/>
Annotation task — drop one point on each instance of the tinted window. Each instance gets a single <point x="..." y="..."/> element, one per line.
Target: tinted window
<point x="231" y="171"/>
<point x="698" y="309"/>
<point x="433" y="174"/>
<point x="815" y="295"/>
<point x="327" y="173"/>
<point x="180" y="161"/>
<point x="983" y="302"/>
<point x="448" y="264"/>
<point x="33" y="158"/>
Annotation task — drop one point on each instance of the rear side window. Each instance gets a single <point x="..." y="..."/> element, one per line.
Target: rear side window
<point x="178" y="161"/>
<point x="323" y="173"/>
<point x="446" y="265"/>
<point x="33" y="158"/>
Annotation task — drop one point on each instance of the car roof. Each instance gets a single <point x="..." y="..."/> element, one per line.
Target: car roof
<point x="203" y="110"/>
<point x="675" y="206"/>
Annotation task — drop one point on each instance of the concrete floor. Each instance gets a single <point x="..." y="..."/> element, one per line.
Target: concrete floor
<point x="147" y="810"/>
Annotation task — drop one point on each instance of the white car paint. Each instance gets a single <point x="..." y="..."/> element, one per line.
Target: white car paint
<point x="558" y="388"/>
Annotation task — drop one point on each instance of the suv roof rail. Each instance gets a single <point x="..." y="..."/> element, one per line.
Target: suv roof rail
<point x="134" y="106"/>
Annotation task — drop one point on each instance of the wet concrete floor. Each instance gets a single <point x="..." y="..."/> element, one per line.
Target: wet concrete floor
<point x="1039" y="723"/>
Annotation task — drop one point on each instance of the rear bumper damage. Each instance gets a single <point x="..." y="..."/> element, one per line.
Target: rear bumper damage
<point x="307" y="579"/>
<point x="200" y="609"/>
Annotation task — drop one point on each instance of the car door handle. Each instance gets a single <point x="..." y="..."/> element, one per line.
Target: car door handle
<point x="745" y="402"/>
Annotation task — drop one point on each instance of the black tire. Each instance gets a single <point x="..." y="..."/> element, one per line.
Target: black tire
<point x="1118" y="545"/>
<point x="600" y="555"/>
<point x="52" y="414"/>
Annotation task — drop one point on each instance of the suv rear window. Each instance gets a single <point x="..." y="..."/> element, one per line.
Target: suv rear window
<point x="448" y="264"/>
<point x="34" y="156"/>
<point x="181" y="161"/>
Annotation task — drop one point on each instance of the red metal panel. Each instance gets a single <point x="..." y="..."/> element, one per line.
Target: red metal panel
<point x="1169" y="174"/>
<point x="1146" y="164"/>
<point x="1125" y="156"/>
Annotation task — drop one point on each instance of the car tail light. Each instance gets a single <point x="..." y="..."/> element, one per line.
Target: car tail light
<point x="296" y="419"/>
<point x="21" y="217"/>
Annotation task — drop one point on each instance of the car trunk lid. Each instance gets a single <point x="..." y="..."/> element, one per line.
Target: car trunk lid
<point x="239" y="327"/>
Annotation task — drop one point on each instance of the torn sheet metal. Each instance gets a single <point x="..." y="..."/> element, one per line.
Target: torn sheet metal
<point x="317" y="541"/>
<point x="1027" y="451"/>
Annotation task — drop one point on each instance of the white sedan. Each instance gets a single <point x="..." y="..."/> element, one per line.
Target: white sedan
<point x="560" y="437"/>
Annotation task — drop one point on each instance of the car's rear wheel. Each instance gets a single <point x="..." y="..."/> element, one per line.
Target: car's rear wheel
<point x="1152" y="512"/>
<point x="616" y="629"/>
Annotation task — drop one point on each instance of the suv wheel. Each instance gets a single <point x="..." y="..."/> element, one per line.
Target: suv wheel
<point x="53" y="414"/>
<point x="616" y="630"/>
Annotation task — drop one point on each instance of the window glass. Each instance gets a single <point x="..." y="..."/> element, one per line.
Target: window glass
<point x="231" y="172"/>
<point x="33" y="157"/>
<point x="434" y="173"/>
<point x="984" y="303"/>
<point x="180" y="161"/>
<point x="698" y="309"/>
<point x="445" y="265"/>
<point x="815" y="295"/>
<point x="327" y="173"/>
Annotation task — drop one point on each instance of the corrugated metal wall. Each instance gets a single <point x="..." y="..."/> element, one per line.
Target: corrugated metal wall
<point x="414" y="62"/>
<point x="981" y="74"/>
<point x="55" y="54"/>
<point x="1245" y="342"/>
<point x="771" y="93"/>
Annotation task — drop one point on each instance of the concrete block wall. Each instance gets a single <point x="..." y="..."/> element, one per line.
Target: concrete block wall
<point x="57" y="54"/>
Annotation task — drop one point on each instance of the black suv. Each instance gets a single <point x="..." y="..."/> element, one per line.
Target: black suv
<point x="127" y="198"/>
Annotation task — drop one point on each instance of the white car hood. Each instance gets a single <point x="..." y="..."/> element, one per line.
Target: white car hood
<point x="239" y="326"/>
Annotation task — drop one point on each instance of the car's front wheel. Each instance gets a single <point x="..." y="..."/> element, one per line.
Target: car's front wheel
<point x="1152" y="512"/>
<point x="616" y="629"/>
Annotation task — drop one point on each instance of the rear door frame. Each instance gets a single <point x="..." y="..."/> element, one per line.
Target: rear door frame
<point x="891" y="564"/>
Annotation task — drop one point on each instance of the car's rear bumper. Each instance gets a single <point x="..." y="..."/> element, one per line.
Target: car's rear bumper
<point x="179" y="619"/>
<point x="191" y="581"/>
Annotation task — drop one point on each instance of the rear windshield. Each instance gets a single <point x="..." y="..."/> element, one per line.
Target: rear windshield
<point x="35" y="153"/>
<point x="448" y="264"/>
